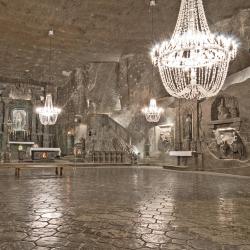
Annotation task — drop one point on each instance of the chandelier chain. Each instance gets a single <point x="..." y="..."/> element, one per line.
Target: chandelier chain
<point x="48" y="114"/>
<point x="152" y="112"/>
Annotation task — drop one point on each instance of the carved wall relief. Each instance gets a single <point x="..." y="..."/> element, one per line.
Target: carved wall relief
<point x="20" y="91"/>
<point x="166" y="138"/>
<point x="227" y="144"/>
<point x="224" y="107"/>
<point x="225" y="124"/>
<point x="225" y="113"/>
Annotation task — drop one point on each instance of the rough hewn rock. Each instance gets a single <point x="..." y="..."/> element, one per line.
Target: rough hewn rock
<point x="97" y="30"/>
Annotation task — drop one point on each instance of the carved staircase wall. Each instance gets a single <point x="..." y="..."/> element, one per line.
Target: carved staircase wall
<point x="105" y="135"/>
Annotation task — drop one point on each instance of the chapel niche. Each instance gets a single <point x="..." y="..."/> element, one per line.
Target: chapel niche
<point x="20" y="117"/>
<point x="226" y="142"/>
<point x="225" y="113"/>
<point x="187" y="128"/>
<point x="224" y="107"/>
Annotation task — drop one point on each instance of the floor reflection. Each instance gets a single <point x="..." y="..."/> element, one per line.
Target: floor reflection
<point x="124" y="208"/>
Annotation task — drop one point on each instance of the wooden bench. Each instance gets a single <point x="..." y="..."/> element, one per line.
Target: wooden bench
<point x="58" y="170"/>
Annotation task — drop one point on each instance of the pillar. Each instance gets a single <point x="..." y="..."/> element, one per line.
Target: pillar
<point x="33" y="126"/>
<point x="5" y="127"/>
<point x="46" y="137"/>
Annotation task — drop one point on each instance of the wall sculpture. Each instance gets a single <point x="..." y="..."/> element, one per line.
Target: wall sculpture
<point x="224" y="107"/>
<point x="166" y="138"/>
<point x="227" y="144"/>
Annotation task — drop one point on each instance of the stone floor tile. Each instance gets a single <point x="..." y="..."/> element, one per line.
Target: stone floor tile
<point x="24" y="245"/>
<point x="106" y="209"/>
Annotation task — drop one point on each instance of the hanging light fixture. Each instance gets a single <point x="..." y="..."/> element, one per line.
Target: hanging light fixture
<point x="194" y="63"/>
<point x="152" y="112"/>
<point x="48" y="114"/>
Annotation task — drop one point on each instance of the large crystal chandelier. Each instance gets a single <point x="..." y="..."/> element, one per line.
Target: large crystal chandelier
<point x="48" y="114"/>
<point x="194" y="63"/>
<point x="152" y="112"/>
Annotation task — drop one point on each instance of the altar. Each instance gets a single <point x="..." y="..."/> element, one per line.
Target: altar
<point x="20" y="149"/>
<point x="45" y="153"/>
<point x="181" y="154"/>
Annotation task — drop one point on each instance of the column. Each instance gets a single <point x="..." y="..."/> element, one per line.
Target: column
<point x="39" y="128"/>
<point x="33" y="125"/>
<point x="178" y="140"/>
<point x="5" y="127"/>
<point x="46" y="137"/>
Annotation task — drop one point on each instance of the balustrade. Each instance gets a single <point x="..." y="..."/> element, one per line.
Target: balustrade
<point x="110" y="157"/>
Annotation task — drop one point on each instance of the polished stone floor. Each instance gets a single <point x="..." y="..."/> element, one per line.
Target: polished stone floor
<point x="124" y="208"/>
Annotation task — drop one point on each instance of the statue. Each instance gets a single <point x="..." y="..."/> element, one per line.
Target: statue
<point x="188" y="127"/>
<point x="223" y="111"/>
<point x="224" y="148"/>
<point x="19" y="119"/>
<point x="237" y="147"/>
<point x="233" y="110"/>
<point x="92" y="107"/>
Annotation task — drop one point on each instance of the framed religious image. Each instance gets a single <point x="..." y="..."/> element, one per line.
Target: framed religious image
<point x="19" y="119"/>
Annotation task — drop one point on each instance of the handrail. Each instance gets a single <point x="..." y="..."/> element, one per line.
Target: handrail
<point x="115" y="126"/>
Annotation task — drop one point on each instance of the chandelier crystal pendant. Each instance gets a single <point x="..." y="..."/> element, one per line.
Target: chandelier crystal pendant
<point x="194" y="63"/>
<point x="152" y="112"/>
<point x="48" y="114"/>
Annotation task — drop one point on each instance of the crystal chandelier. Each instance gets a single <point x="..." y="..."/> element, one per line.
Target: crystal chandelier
<point x="152" y="112"/>
<point x="194" y="63"/>
<point x="48" y="114"/>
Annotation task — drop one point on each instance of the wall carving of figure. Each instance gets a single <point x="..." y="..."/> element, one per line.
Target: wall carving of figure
<point x="166" y="138"/>
<point x="188" y="127"/>
<point x="223" y="111"/>
<point x="224" y="149"/>
<point x="224" y="107"/>
<point x="228" y="144"/>
<point x="19" y="91"/>
<point x="92" y="107"/>
<point x="237" y="147"/>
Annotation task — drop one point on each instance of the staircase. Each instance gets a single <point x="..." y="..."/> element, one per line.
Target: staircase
<point x="109" y="140"/>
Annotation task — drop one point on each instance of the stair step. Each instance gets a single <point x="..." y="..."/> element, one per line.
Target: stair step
<point x="173" y="167"/>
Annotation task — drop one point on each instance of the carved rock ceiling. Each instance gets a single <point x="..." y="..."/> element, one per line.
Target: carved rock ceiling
<point x="98" y="30"/>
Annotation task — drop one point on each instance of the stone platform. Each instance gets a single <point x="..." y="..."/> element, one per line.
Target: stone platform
<point x="124" y="208"/>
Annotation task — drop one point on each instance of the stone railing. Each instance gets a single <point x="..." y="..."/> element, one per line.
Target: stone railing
<point x="109" y="157"/>
<point x="117" y="140"/>
<point x="117" y="128"/>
